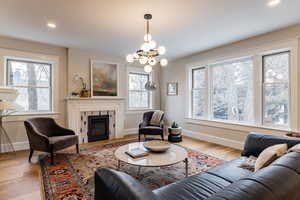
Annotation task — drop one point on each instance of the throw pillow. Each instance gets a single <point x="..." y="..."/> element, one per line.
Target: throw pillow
<point x="249" y="164"/>
<point x="295" y="148"/>
<point x="156" y="118"/>
<point x="269" y="155"/>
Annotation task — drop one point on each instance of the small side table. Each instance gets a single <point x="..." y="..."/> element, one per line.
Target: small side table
<point x="175" y="134"/>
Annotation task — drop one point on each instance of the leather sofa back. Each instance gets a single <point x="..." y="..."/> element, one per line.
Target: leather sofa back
<point x="256" y="143"/>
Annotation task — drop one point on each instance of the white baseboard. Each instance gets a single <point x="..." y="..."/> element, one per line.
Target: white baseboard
<point x="214" y="139"/>
<point x="17" y="146"/>
<point x="131" y="131"/>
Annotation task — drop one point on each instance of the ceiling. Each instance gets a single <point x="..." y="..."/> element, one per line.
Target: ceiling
<point x="116" y="27"/>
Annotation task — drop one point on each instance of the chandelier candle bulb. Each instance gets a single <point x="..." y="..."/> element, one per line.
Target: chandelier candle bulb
<point x="164" y="62"/>
<point x="161" y="50"/>
<point x="129" y="58"/>
<point x="148" y="52"/>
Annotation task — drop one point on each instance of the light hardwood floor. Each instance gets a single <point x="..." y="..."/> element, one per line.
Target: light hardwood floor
<point x="20" y="180"/>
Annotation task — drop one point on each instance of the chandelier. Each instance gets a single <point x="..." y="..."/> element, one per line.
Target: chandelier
<point x="148" y="53"/>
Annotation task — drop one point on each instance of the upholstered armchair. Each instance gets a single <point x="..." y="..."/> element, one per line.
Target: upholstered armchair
<point x="44" y="134"/>
<point x="145" y="128"/>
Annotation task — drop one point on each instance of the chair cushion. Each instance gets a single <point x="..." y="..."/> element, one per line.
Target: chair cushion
<point x="151" y="130"/>
<point x="196" y="187"/>
<point x="61" y="142"/>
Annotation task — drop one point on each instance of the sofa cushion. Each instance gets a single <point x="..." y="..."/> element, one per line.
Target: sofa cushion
<point x="196" y="187"/>
<point x="231" y="170"/>
<point x="289" y="160"/>
<point x="265" y="184"/>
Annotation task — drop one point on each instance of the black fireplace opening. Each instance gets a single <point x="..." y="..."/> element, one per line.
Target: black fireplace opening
<point x="98" y="128"/>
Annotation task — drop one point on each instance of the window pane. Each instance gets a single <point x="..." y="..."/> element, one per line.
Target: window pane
<point x="33" y="82"/>
<point x="276" y="89"/>
<point x="199" y="78"/>
<point x="198" y="103"/>
<point x="34" y="99"/>
<point x="138" y="99"/>
<point x="232" y="93"/>
<point x="276" y="104"/>
<point x="137" y="81"/>
<point x="28" y="73"/>
<point x="276" y="68"/>
<point x="138" y="95"/>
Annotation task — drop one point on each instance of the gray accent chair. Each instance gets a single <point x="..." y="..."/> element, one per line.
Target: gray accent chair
<point x="44" y="134"/>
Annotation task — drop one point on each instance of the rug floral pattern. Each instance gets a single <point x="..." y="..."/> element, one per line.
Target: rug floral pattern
<point x="72" y="176"/>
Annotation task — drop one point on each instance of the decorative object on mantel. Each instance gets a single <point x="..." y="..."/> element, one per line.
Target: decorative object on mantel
<point x="148" y="52"/>
<point x="175" y="133"/>
<point x="172" y="89"/>
<point x="7" y="97"/>
<point x="150" y="85"/>
<point x="83" y="92"/>
<point x="104" y="78"/>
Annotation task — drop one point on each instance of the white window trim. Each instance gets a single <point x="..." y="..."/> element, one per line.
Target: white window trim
<point x="53" y="60"/>
<point x="257" y="54"/>
<point x="138" y="110"/>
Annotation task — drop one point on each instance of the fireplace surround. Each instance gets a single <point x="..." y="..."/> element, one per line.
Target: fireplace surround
<point x="79" y="108"/>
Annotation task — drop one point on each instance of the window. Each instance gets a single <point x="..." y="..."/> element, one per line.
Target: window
<point x="231" y="92"/>
<point x="199" y="87"/>
<point x="33" y="82"/>
<point x="225" y="91"/>
<point x="138" y="97"/>
<point x="276" y="88"/>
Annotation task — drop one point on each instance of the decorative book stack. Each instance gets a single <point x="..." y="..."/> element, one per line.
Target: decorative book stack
<point x="137" y="152"/>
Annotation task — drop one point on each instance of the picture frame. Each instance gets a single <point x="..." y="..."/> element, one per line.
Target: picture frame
<point x="172" y="89"/>
<point x="104" y="78"/>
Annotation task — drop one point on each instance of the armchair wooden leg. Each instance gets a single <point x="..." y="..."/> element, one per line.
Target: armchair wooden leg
<point x="77" y="148"/>
<point x="139" y="137"/>
<point x="162" y="136"/>
<point x="52" y="157"/>
<point x="30" y="154"/>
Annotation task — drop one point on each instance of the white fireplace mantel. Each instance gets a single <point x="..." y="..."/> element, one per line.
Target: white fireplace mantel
<point x="77" y="105"/>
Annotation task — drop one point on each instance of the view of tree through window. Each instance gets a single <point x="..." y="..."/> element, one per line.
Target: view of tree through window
<point x="138" y="96"/>
<point x="276" y="88"/>
<point x="33" y="82"/>
<point x="198" y="92"/>
<point x="232" y="93"/>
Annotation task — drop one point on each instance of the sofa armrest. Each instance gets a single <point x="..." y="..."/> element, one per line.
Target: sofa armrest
<point x="114" y="185"/>
<point x="257" y="142"/>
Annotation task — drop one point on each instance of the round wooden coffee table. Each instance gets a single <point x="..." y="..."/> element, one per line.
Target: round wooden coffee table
<point x="175" y="154"/>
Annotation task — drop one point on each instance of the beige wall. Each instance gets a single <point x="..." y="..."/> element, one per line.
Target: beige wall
<point x="175" y="106"/>
<point x="14" y="125"/>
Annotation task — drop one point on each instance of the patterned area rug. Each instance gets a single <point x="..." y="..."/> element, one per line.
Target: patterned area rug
<point x="72" y="176"/>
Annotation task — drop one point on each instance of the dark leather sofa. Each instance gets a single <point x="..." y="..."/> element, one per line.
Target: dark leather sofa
<point x="278" y="181"/>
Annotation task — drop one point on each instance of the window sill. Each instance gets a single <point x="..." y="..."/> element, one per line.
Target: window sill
<point x="14" y="117"/>
<point x="236" y="126"/>
<point x="138" y="111"/>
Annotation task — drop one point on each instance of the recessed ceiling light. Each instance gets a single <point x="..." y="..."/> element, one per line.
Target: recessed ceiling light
<point x="272" y="3"/>
<point x="51" y="25"/>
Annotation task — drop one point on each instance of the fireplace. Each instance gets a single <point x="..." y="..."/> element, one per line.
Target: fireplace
<point x="98" y="128"/>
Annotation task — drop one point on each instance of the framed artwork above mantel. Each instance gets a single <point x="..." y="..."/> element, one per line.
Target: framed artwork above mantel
<point x="104" y="78"/>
